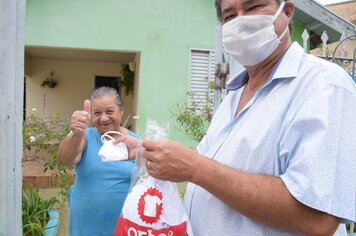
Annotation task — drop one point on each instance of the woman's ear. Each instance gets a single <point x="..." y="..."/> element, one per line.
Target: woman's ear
<point x="289" y="9"/>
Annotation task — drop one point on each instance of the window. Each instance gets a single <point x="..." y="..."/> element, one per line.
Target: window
<point x="202" y="70"/>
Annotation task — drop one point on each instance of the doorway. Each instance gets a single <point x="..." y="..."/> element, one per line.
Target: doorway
<point x="109" y="81"/>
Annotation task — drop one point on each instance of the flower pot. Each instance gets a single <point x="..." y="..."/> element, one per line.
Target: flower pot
<point x="53" y="223"/>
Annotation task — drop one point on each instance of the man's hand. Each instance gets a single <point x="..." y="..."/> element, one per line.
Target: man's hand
<point x="170" y="160"/>
<point x="80" y="120"/>
<point x="132" y="144"/>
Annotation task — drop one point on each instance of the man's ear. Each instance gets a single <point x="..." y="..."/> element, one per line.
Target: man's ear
<point x="289" y="9"/>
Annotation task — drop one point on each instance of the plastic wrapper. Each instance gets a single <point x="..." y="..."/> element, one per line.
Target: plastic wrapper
<point x="153" y="207"/>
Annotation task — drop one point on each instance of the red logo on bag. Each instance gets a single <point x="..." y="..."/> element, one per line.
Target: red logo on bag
<point x="126" y="227"/>
<point x="150" y="206"/>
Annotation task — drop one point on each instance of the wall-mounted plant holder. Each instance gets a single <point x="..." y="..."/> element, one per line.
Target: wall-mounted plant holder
<point x="49" y="82"/>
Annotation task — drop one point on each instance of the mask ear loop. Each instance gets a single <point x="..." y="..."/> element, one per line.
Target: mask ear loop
<point x="284" y="32"/>
<point x="107" y="137"/>
<point x="281" y="7"/>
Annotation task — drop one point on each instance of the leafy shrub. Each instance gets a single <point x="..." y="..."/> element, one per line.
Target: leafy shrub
<point x="43" y="134"/>
<point x="194" y="119"/>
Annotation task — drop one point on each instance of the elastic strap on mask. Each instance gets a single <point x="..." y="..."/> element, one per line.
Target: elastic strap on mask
<point x="277" y="14"/>
<point x="279" y="10"/>
<point x="284" y="32"/>
<point x="106" y="136"/>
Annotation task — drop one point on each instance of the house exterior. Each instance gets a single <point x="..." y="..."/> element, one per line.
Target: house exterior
<point x="346" y="45"/>
<point x="80" y="40"/>
<point x="346" y="9"/>
<point x="168" y="43"/>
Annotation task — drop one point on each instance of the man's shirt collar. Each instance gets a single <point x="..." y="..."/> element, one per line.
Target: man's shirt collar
<point x="286" y="67"/>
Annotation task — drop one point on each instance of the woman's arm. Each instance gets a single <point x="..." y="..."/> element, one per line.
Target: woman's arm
<point x="71" y="148"/>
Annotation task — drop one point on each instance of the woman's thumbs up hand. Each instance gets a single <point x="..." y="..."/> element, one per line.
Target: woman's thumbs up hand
<point x="80" y="120"/>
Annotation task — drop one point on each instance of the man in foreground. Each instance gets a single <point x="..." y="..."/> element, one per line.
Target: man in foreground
<point x="279" y="156"/>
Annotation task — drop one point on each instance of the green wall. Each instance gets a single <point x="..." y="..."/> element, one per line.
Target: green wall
<point x="163" y="31"/>
<point x="297" y="32"/>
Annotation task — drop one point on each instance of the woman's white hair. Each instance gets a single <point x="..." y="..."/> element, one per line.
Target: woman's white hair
<point x="104" y="91"/>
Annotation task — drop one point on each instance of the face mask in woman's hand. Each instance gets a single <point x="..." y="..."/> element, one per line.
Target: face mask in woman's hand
<point x="112" y="152"/>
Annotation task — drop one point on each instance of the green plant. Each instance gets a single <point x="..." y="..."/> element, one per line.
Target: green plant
<point x="62" y="175"/>
<point x="195" y="118"/>
<point x="43" y="134"/>
<point x="35" y="212"/>
<point x="350" y="228"/>
<point x="320" y="50"/>
<point x="128" y="79"/>
<point x="50" y="81"/>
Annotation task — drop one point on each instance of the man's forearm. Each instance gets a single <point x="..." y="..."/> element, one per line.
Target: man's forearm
<point x="265" y="199"/>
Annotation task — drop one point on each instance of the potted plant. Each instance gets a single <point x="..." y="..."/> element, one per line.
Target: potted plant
<point x="38" y="215"/>
<point x="50" y="81"/>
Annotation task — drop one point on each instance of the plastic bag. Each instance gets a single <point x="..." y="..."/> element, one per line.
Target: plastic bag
<point x="153" y="207"/>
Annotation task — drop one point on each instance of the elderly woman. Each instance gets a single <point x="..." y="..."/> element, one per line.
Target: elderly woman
<point x="100" y="188"/>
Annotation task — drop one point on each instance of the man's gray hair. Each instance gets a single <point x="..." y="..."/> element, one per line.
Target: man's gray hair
<point x="217" y="4"/>
<point x="104" y="91"/>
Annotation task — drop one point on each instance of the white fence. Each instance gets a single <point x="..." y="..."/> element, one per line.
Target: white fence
<point x="344" y="60"/>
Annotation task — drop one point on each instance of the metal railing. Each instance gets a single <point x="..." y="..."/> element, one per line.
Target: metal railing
<point x="348" y="63"/>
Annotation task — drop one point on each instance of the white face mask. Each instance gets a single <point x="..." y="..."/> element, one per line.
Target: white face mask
<point x="112" y="152"/>
<point x="251" y="39"/>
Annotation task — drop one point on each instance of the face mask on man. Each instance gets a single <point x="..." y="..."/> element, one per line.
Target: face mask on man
<point x="251" y="39"/>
